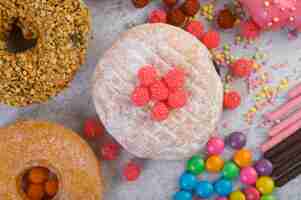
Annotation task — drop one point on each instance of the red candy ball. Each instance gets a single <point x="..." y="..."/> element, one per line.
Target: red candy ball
<point x="231" y="100"/>
<point x="242" y="67"/>
<point x="211" y="39"/>
<point x="110" y="151"/>
<point x="249" y="30"/>
<point x="132" y="171"/>
<point x="93" y="128"/>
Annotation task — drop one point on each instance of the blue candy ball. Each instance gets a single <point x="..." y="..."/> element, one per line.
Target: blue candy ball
<point x="204" y="189"/>
<point x="182" y="195"/>
<point x="188" y="181"/>
<point x="223" y="187"/>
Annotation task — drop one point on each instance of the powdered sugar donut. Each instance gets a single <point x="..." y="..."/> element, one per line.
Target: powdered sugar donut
<point x="274" y="13"/>
<point x="186" y="130"/>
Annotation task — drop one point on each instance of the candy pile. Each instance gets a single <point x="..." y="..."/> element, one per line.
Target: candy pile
<point x="167" y="93"/>
<point x="255" y="176"/>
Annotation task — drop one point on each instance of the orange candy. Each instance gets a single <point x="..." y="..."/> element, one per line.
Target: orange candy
<point x="243" y="158"/>
<point x="214" y="164"/>
<point x="38" y="175"/>
<point x="51" y="187"/>
<point x="35" y="191"/>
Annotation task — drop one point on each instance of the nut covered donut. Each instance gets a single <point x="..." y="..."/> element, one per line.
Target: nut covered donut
<point x="28" y="144"/>
<point x="61" y="30"/>
<point x="186" y="129"/>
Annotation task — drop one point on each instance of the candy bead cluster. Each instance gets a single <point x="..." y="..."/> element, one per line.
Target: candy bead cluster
<point x="255" y="177"/>
<point x="166" y="93"/>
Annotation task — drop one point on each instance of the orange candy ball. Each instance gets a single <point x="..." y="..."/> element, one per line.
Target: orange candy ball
<point x="214" y="164"/>
<point x="38" y="175"/>
<point x="243" y="158"/>
<point x="51" y="187"/>
<point x="35" y="191"/>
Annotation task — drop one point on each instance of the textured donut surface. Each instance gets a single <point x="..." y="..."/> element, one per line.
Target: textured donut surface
<point x="186" y="130"/>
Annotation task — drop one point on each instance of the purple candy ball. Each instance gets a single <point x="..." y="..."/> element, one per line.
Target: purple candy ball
<point x="237" y="140"/>
<point x="264" y="167"/>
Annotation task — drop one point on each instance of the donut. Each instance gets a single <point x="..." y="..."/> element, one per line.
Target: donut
<point x="271" y="14"/>
<point x="28" y="144"/>
<point x="186" y="130"/>
<point x="61" y="30"/>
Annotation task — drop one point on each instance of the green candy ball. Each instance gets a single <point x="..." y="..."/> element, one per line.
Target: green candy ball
<point x="230" y="170"/>
<point x="196" y="165"/>
<point x="268" y="197"/>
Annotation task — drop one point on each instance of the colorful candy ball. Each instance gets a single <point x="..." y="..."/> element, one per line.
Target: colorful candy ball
<point x="204" y="189"/>
<point x="251" y="193"/>
<point x="230" y="170"/>
<point x="237" y="140"/>
<point x="264" y="167"/>
<point x="265" y="185"/>
<point x="248" y="176"/>
<point x="237" y="195"/>
<point x="221" y="198"/>
<point x="223" y="187"/>
<point x="215" y="146"/>
<point x="243" y="158"/>
<point x="214" y="164"/>
<point x="188" y="181"/>
<point x="196" y="165"/>
<point x="268" y="197"/>
<point x="182" y="195"/>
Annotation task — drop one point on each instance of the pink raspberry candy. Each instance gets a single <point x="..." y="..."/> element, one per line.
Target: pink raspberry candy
<point x="159" y="91"/>
<point x="249" y="30"/>
<point x="157" y="16"/>
<point x="140" y="96"/>
<point x="160" y="112"/>
<point x="178" y="98"/>
<point x="175" y="78"/>
<point x="147" y="75"/>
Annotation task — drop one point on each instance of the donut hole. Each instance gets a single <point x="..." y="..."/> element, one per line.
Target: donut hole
<point x="39" y="183"/>
<point x="17" y="43"/>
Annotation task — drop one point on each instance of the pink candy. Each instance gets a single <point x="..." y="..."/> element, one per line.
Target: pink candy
<point x="274" y="14"/>
<point x="248" y="175"/>
<point x="215" y="146"/>
<point x="252" y="193"/>
<point x="221" y="198"/>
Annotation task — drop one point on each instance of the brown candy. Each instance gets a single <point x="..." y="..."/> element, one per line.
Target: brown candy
<point x="38" y="175"/>
<point x="190" y="7"/>
<point x="176" y="17"/>
<point x="226" y="19"/>
<point x="35" y="191"/>
<point x="170" y="2"/>
<point x="140" y="3"/>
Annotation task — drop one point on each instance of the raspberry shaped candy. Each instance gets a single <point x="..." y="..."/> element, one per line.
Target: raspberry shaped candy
<point x="170" y="3"/>
<point x="249" y="30"/>
<point x="211" y="39"/>
<point x="242" y="67"/>
<point x="140" y="96"/>
<point x="157" y="16"/>
<point x="159" y="91"/>
<point x="175" y="78"/>
<point x="178" y="98"/>
<point x="160" y="112"/>
<point x="231" y="100"/>
<point x="110" y="151"/>
<point x="191" y="7"/>
<point x="132" y="171"/>
<point x="93" y="128"/>
<point x="196" y="28"/>
<point x="147" y="75"/>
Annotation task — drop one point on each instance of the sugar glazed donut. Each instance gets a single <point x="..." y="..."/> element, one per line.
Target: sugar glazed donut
<point x="61" y="29"/>
<point x="30" y="144"/>
<point x="187" y="129"/>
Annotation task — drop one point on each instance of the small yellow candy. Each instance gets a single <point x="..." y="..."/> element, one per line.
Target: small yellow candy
<point x="214" y="164"/>
<point x="243" y="158"/>
<point x="237" y="195"/>
<point x="265" y="185"/>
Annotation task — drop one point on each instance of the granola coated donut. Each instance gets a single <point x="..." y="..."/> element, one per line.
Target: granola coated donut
<point x="186" y="130"/>
<point x="28" y="144"/>
<point x="61" y="28"/>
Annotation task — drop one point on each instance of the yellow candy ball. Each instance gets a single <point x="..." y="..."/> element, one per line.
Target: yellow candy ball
<point x="265" y="185"/>
<point x="214" y="164"/>
<point x="243" y="158"/>
<point x="237" y="195"/>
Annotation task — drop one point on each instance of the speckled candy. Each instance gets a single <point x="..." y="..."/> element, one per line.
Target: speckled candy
<point x="182" y="195"/>
<point x="243" y="158"/>
<point x="248" y="176"/>
<point x="237" y="140"/>
<point x="223" y="187"/>
<point x="215" y="146"/>
<point x="196" y="165"/>
<point x="237" y="195"/>
<point x="251" y="193"/>
<point x="265" y="185"/>
<point x="264" y="167"/>
<point x="204" y="189"/>
<point x="230" y="170"/>
<point x="188" y="181"/>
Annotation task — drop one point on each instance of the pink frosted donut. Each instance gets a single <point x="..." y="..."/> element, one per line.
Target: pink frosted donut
<point x="274" y="14"/>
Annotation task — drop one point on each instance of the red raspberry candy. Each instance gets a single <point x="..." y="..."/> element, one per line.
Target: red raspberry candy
<point x="160" y="112"/>
<point x="196" y="28"/>
<point x="110" y="151"/>
<point x="159" y="91"/>
<point x="140" y="96"/>
<point x="250" y="30"/>
<point x="175" y="78"/>
<point x="147" y="75"/>
<point x="178" y="98"/>
<point x="211" y="39"/>
<point x="157" y="16"/>
<point x="242" y="67"/>
<point x="132" y="171"/>
<point x="231" y="100"/>
<point x="93" y="128"/>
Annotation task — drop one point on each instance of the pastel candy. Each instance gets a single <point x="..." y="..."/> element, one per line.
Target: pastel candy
<point x="274" y="14"/>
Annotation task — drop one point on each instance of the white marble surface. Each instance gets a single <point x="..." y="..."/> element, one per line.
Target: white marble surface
<point x="159" y="178"/>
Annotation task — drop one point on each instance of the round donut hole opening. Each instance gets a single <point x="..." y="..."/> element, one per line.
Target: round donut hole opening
<point x="17" y="43"/>
<point x="39" y="183"/>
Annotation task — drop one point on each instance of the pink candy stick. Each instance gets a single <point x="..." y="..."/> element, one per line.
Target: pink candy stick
<point x="285" y="123"/>
<point x="295" y="91"/>
<point x="283" y="109"/>
<point x="281" y="136"/>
